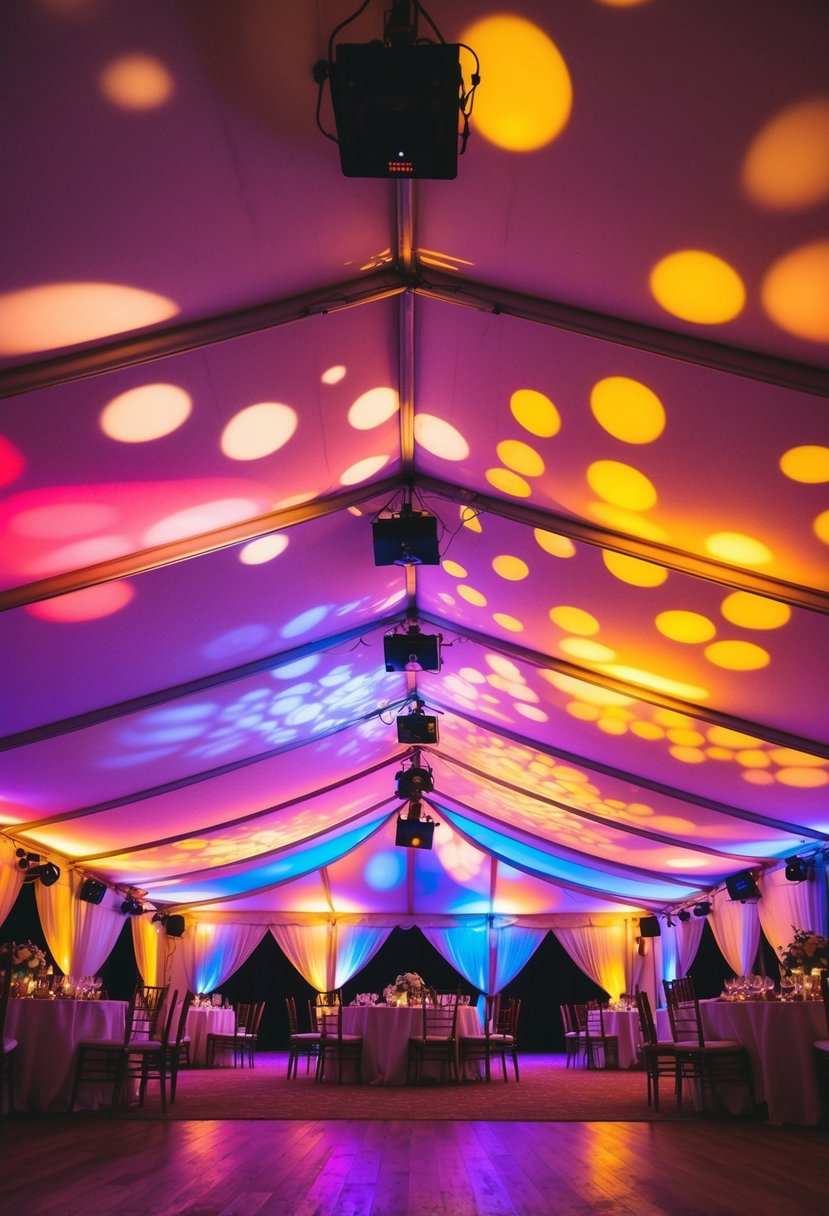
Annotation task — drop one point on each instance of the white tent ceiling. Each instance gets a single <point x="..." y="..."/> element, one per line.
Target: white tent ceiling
<point x="598" y="357"/>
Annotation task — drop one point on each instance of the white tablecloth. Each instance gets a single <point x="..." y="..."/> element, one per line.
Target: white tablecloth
<point x="624" y="1024"/>
<point x="47" y="1033"/>
<point x="779" y="1037"/>
<point x="386" y="1031"/>
<point x="204" y="1021"/>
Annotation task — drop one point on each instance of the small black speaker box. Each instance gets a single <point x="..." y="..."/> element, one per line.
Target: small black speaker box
<point x="417" y="728"/>
<point x="742" y="886"/>
<point x="649" y="926"/>
<point x="175" y="925"/>
<point x="92" y="891"/>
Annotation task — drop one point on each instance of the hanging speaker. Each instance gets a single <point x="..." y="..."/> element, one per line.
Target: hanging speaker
<point x="742" y="886"/>
<point x="649" y="926"/>
<point x="92" y="891"/>
<point x="174" y="925"/>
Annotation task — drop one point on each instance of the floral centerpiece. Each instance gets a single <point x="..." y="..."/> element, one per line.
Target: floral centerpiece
<point x="408" y="989"/>
<point x="806" y="951"/>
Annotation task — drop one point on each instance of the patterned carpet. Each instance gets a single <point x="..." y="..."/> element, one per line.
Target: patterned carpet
<point x="547" y="1091"/>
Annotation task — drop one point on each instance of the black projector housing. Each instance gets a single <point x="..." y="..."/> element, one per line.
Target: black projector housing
<point x="409" y="539"/>
<point x="414" y="833"/>
<point x="400" y="649"/>
<point x="417" y="728"/>
<point x="397" y="109"/>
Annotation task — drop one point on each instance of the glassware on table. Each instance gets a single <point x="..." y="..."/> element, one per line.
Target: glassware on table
<point x="216" y="1000"/>
<point x="786" y="987"/>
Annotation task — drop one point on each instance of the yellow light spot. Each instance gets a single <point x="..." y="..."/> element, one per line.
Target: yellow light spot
<point x="534" y="712"/>
<point x="440" y="437"/>
<point x="363" y="470"/>
<point x="809" y="463"/>
<point x="621" y="485"/>
<point x="651" y="679"/>
<point x="687" y="863"/>
<point x="687" y="755"/>
<point x="787" y="165"/>
<point x="583" y="711"/>
<point x="647" y="730"/>
<point x="373" y="408"/>
<point x="754" y="611"/>
<point x="64" y="314"/>
<point x="333" y="374"/>
<point x="682" y="626"/>
<point x="723" y="736"/>
<point x="670" y="717"/>
<point x="552" y="543"/>
<point x="788" y="757"/>
<point x="264" y="549"/>
<point x="471" y="519"/>
<point x="738" y="548"/>
<point x="585" y="648"/>
<point x="697" y="286"/>
<point x="627" y="410"/>
<point x="574" y="620"/>
<point x="505" y="667"/>
<point x="520" y="457"/>
<point x="757" y="776"/>
<point x="528" y="95"/>
<point x="472" y="675"/>
<point x="516" y="689"/>
<point x="471" y="595"/>
<point x="719" y="753"/>
<point x="508" y="483"/>
<point x="145" y="413"/>
<point x="535" y="413"/>
<point x="795" y="292"/>
<point x="737" y="656"/>
<point x="821" y="527"/>
<point x="753" y="758"/>
<point x="592" y="693"/>
<point x="454" y="569"/>
<point x="258" y="430"/>
<point x="686" y="738"/>
<point x="802" y="778"/>
<point x="627" y="521"/>
<point x="510" y="623"/>
<point x="634" y="570"/>
<point x="612" y="726"/>
<point x="511" y="568"/>
<point x="136" y="82"/>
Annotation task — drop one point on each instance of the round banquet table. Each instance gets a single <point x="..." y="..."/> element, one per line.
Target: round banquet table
<point x="203" y="1021"/>
<point x="386" y="1030"/>
<point x="779" y="1037"/>
<point x="47" y="1033"/>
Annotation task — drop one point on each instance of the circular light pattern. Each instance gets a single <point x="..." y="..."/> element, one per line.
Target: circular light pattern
<point x="508" y="483"/>
<point x="64" y="314"/>
<point x="621" y="485"/>
<point x="723" y="736"/>
<point x="612" y="726"/>
<point x="682" y="626"/>
<point x="528" y="94"/>
<point x="808" y="463"/>
<point x="511" y="568"/>
<point x="627" y="410"/>
<point x="502" y="666"/>
<point x="136" y="82"/>
<point x="510" y="623"/>
<point x="203" y="518"/>
<point x="821" y="527"/>
<point x="258" y="430"/>
<point x="795" y="292"/>
<point x="440" y="438"/>
<point x="574" y="620"/>
<point x="535" y="413"/>
<point x="373" y="408"/>
<point x="737" y="656"/>
<point x="520" y="457"/>
<point x="802" y="778"/>
<point x="89" y="604"/>
<point x="552" y="543"/>
<point x="263" y="549"/>
<point x="627" y="521"/>
<point x="738" y="548"/>
<point x="362" y="470"/>
<point x="585" y="648"/>
<point x="471" y="595"/>
<point x="471" y="519"/>
<point x="87" y="552"/>
<point x="697" y="286"/>
<point x="754" y="611"/>
<point x="634" y="570"/>
<point x="647" y="730"/>
<point x="533" y="712"/>
<point x="788" y="757"/>
<point x="687" y="755"/>
<point x="753" y="759"/>
<point x="334" y="374"/>
<point x="12" y="463"/>
<point x="145" y="413"/>
<point x="685" y="737"/>
<point x="58" y="520"/>
<point x="454" y="569"/>
<point x="786" y="167"/>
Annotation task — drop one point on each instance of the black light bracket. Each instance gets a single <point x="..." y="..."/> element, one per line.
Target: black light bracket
<point x="414" y="780"/>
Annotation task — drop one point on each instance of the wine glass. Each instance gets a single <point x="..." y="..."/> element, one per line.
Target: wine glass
<point x="786" y="987"/>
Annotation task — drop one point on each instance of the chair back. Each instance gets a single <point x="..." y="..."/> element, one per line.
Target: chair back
<point x="683" y="1012"/>
<point x="508" y="1016"/>
<point x="253" y="1019"/>
<point x="312" y="1016"/>
<point x="329" y="1010"/>
<point x="647" y="1025"/>
<point x="181" y="1029"/>
<point x="145" y="1011"/>
<point x="595" y="1020"/>
<point x="440" y="1021"/>
<point x="580" y="1016"/>
<point x="568" y="1020"/>
<point x="293" y="1020"/>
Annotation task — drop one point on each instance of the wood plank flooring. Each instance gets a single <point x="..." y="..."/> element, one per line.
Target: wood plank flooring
<point x="65" y="1165"/>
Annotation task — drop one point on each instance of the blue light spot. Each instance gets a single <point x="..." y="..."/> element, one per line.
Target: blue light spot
<point x="305" y="621"/>
<point x="249" y="637"/>
<point x="385" y="870"/>
<point x="298" y="668"/>
<point x="180" y="713"/>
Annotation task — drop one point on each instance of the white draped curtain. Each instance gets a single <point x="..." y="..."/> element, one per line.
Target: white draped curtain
<point x="488" y="952"/>
<point x="606" y="953"/>
<point x="150" y="946"/>
<point x="328" y="954"/>
<point x="11" y="879"/>
<point x="210" y="953"/>
<point x="79" y="935"/>
<point x="736" y="929"/>
<point x="786" y="906"/>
